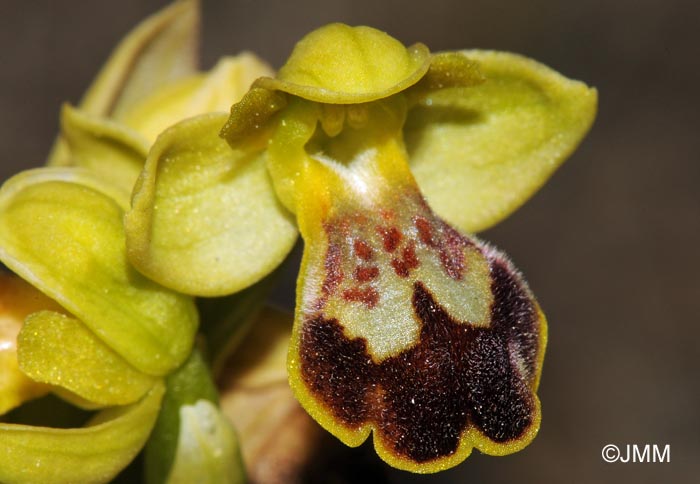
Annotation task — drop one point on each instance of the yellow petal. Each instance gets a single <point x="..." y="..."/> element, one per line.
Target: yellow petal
<point x="92" y="454"/>
<point x="479" y="153"/>
<point x="341" y="64"/>
<point x="204" y="218"/>
<point x="105" y="147"/>
<point x="17" y="300"/>
<point x="214" y="91"/>
<point x="60" y="350"/>
<point x="73" y="250"/>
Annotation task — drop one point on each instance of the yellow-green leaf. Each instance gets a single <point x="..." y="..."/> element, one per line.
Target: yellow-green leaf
<point x="93" y="454"/>
<point x="204" y="217"/>
<point x="109" y="149"/>
<point x="57" y="349"/>
<point x="214" y="91"/>
<point x="479" y="153"/>
<point x="61" y="230"/>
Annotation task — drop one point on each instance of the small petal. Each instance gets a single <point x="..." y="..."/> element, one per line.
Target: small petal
<point x="17" y="300"/>
<point x="204" y="218"/>
<point x="110" y="150"/>
<point x="340" y="64"/>
<point x="57" y="349"/>
<point x="74" y="251"/>
<point x="450" y="69"/>
<point x="479" y="153"/>
<point x="214" y="91"/>
<point x="92" y="454"/>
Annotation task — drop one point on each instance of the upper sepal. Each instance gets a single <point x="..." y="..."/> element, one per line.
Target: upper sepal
<point x="340" y="64"/>
<point x="479" y="153"/>
<point x="204" y="218"/>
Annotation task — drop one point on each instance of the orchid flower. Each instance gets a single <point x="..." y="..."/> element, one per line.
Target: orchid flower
<point x="384" y="158"/>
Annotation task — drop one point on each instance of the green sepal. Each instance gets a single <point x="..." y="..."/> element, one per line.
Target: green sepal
<point x="59" y="350"/>
<point x="111" y="150"/>
<point x="340" y="64"/>
<point x="160" y="50"/>
<point x="478" y="153"/>
<point x="204" y="217"/>
<point x="61" y="230"/>
<point x="92" y="454"/>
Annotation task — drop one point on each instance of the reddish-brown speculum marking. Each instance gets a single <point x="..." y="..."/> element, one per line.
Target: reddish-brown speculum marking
<point x="391" y="237"/>
<point x="425" y="231"/>
<point x="367" y="296"/>
<point x="408" y="261"/>
<point x="363" y="250"/>
<point x="366" y="274"/>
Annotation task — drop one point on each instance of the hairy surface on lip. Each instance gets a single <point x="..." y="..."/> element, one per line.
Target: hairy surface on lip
<point x="452" y="374"/>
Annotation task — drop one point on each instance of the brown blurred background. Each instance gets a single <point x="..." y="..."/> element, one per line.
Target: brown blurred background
<point x="609" y="246"/>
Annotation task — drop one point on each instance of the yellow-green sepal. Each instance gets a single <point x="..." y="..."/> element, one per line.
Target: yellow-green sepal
<point x="340" y="64"/>
<point x="480" y="152"/>
<point x="61" y="230"/>
<point x="59" y="350"/>
<point x="92" y="454"/>
<point x="209" y="92"/>
<point x="204" y="218"/>
<point x="160" y="50"/>
<point x="111" y="150"/>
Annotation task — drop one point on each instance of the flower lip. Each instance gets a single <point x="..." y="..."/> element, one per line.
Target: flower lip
<point x="339" y="64"/>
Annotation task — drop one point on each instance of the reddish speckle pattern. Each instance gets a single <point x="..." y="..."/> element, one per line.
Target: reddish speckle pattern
<point x="366" y="295"/>
<point x="363" y="250"/>
<point x="391" y="237"/>
<point x="407" y="262"/>
<point x="365" y="274"/>
<point x="425" y="231"/>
